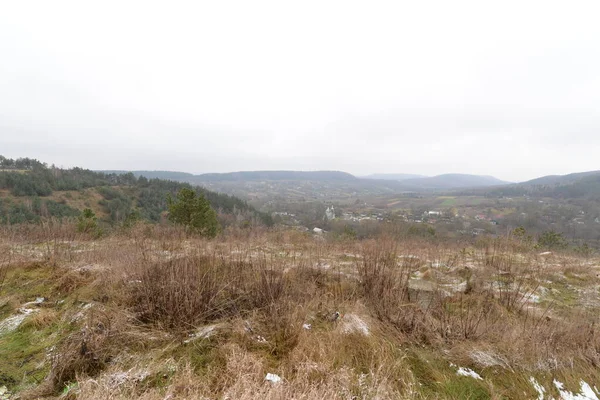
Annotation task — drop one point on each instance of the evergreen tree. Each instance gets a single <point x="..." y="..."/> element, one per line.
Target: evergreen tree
<point x="194" y="212"/>
<point x="552" y="240"/>
<point x="87" y="221"/>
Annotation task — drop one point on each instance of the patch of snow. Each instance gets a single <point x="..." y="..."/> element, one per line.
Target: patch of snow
<point x="352" y="323"/>
<point x="538" y="388"/>
<point x="12" y="323"/>
<point x="586" y="392"/>
<point x="36" y="302"/>
<point x="468" y="372"/>
<point x="273" y="378"/>
<point x="532" y="298"/>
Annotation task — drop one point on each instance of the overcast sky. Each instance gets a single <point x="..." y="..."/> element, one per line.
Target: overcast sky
<point x="505" y="88"/>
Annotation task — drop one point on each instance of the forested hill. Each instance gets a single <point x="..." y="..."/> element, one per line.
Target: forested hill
<point x="562" y="180"/>
<point x="582" y="185"/>
<point x="31" y="190"/>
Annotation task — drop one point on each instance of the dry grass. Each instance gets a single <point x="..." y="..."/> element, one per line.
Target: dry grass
<point x="152" y="313"/>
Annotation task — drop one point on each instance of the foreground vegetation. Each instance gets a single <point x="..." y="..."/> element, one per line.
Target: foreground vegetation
<point x="153" y="312"/>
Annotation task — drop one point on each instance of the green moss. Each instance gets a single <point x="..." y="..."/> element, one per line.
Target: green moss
<point x="204" y="354"/>
<point x="6" y="310"/>
<point x="510" y="385"/>
<point x="437" y="379"/>
<point x="23" y="352"/>
<point x="28" y="282"/>
<point x="562" y="295"/>
<point x="424" y="371"/>
<point x="463" y="387"/>
<point x="23" y="355"/>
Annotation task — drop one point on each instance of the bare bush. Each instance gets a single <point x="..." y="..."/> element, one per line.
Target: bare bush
<point x="384" y="281"/>
<point x="467" y="316"/>
<point x="87" y="351"/>
<point x="183" y="292"/>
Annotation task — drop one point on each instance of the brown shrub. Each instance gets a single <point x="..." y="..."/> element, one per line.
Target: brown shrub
<point x="384" y="282"/>
<point x="186" y="291"/>
<point x="87" y="351"/>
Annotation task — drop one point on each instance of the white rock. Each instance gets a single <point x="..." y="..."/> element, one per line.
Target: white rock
<point x="352" y="323"/>
<point x="273" y="378"/>
<point x="4" y="393"/>
<point x="468" y="372"/>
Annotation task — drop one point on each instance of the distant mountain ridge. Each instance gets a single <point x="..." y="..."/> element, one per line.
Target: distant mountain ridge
<point x="454" y="181"/>
<point x="393" y="177"/>
<point x="168" y="175"/>
<point x="400" y="182"/>
<point x="242" y="175"/>
<point x="560" y="179"/>
<point x="576" y="185"/>
<point x="277" y="176"/>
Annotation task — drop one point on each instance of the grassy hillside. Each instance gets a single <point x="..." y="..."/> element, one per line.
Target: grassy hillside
<point x="155" y="314"/>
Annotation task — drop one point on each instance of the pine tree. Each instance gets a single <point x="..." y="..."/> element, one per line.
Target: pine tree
<point x="194" y="212"/>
